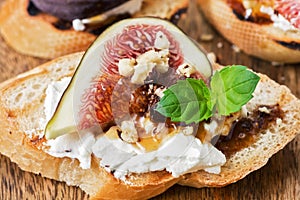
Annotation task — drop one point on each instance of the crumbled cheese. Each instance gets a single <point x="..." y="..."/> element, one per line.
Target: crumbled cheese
<point x="248" y="13"/>
<point x="264" y="109"/>
<point x="211" y="128"/>
<point x="126" y="67"/>
<point x="151" y="128"/>
<point x="140" y="68"/>
<point x="147" y="124"/>
<point x="186" y="70"/>
<point x="129" y="133"/>
<point x="141" y="71"/>
<point x="162" y="65"/>
<point x="267" y="10"/>
<point x="160" y="92"/>
<point x="78" y="25"/>
<point x="278" y="121"/>
<point x="244" y="111"/>
<point x="161" y="41"/>
<point x="188" y="130"/>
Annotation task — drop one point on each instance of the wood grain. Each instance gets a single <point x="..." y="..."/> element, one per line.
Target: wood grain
<point x="279" y="179"/>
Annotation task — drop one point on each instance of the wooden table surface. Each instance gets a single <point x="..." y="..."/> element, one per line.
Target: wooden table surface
<point x="279" y="179"/>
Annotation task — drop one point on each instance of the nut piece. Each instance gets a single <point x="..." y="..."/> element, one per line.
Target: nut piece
<point x="186" y="70"/>
<point x="129" y="133"/>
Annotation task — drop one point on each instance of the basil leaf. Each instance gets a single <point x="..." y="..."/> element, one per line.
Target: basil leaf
<point x="186" y="101"/>
<point x="232" y="87"/>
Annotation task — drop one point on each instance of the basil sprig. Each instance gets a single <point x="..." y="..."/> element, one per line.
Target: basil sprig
<point x="191" y="100"/>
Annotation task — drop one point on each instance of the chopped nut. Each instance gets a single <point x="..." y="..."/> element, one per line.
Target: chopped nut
<point x="129" y="133"/>
<point x="186" y="70"/>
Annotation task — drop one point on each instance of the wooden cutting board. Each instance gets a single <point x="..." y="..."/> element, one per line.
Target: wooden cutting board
<point x="279" y="179"/>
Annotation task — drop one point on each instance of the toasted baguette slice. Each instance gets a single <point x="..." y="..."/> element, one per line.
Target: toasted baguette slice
<point x="259" y="40"/>
<point x="21" y="107"/>
<point x="269" y="142"/>
<point x="36" y="36"/>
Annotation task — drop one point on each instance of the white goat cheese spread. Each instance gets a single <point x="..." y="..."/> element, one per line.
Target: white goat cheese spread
<point x="179" y="154"/>
<point x="73" y="145"/>
<point x="53" y="93"/>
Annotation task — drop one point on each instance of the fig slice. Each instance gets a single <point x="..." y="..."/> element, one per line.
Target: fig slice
<point x="86" y="102"/>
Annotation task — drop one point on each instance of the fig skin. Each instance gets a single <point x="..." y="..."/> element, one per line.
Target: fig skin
<point x="75" y="9"/>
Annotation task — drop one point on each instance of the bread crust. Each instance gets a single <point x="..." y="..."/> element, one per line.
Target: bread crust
<point x="36" y="36"/>
<point x="262" y="41"/>
<point x="18" y="114"/>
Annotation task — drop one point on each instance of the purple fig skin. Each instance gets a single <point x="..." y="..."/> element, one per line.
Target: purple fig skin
<point x="75" y="9"/>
